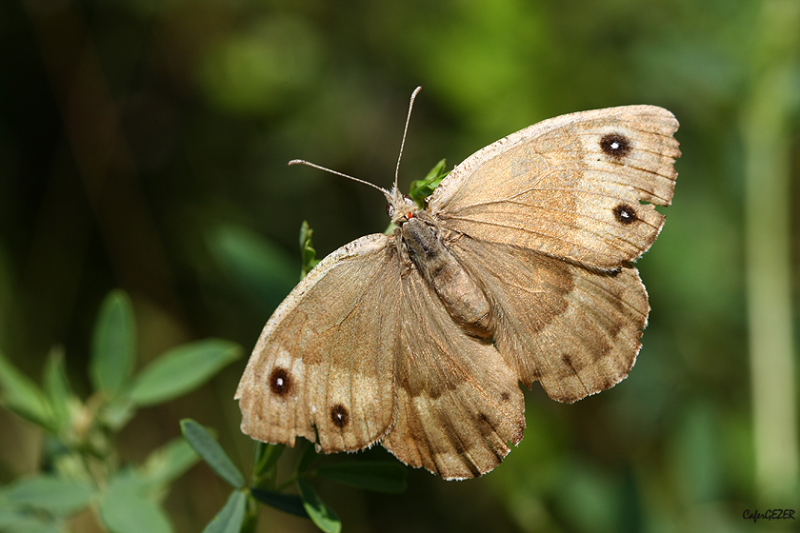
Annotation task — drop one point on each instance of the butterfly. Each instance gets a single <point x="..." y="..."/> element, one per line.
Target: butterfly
<point x="518" y="269"/>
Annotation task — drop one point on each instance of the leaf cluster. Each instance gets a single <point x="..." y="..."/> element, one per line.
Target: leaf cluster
<point x="81" y="467"/>
<point x="240" y="512"/>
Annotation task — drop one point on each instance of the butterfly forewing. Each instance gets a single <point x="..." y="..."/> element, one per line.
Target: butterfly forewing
<point x="323" y="367"/>
<point x="580" y="186"/>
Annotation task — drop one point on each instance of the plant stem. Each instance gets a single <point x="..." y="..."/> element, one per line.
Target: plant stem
<point x="765" y="131"/>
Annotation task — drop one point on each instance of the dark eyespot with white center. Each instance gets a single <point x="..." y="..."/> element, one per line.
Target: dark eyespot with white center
<point x="280" y="382"/>
<point x="339" y="415"/>
<point x="625" y="214"/>
<point x="615" y="145"/>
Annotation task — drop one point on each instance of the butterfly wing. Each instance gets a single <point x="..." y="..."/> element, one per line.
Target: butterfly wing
<point x="458" y="403"/>
<point x="575" y="330"/>
<point x="582" y="186"/>
<point x="323" y="367"/>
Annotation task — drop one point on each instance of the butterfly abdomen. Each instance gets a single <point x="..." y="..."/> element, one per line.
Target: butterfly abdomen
<point x="420" y="241"/>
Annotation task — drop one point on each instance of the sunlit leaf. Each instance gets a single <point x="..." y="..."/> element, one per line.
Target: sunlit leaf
<point x="231" y="516"/>
<point x="377" y="476"/>
<point x="49" y="493"/>
<point x="288" y="503"/>
<point x="113" y="344"/>
<point x="421" y="189"/>
<point x="212" y="453"/>
<point x="21" y="395"/>
<point x="181" y="370"/>
<point x="322" y="515"/>
<point x="307" y="250"/>
<point x="125" y="508"/>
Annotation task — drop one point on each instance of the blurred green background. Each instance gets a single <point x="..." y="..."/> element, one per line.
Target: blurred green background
<point x="143" y="145"/>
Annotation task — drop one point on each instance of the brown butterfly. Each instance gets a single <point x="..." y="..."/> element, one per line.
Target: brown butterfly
<point x="518" y="269"/>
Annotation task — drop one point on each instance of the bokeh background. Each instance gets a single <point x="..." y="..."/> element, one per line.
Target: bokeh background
<point x="143" y="146"/>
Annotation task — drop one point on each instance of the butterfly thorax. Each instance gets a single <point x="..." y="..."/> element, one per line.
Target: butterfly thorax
<point x="421" y="243"/>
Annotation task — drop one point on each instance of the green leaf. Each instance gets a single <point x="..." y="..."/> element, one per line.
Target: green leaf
<point x="288" y="503"/>
<point x="22" y="522"/>
<point x="212" y="453"/>
<point x="307" y="250"/>
<point x="421" y="189"/>
<point x="113" y="344"/>
<point x="231" y="516"/>
<point x="126" y="509"/>
<point x="118" y="412"/>
<point x="182" y="369"/>
<point x="18" y="521"/>
<point x="168" y="463"/>
<point x="55" y="495"/>
<point x="261" y="268"/>
<point x="21" y="395"/>
<point x="377" y="476"/>
<point x="308" y="457"/>
<point x="322" y="515"/>
<point x="265" y="464"/>
<point x="56" y="386"/>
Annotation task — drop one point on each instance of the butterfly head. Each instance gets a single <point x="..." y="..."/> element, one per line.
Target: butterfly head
<point x="400" y="207"/>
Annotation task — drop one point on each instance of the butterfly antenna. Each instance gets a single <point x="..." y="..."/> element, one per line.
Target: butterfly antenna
<point x="405" y="131"/>
<point x="342" y="174"/>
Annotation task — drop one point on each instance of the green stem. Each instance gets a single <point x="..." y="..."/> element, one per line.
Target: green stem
<point x="251" y="515"/>
<point x="292" y="480"/>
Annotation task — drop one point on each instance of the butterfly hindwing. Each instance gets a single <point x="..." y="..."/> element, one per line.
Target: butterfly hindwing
<point x="574" y="330"/>
<point x="459" y="404"/>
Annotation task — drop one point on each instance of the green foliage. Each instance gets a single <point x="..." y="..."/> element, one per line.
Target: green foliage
<point x="231" y="517"/>
<point x="57" y="389"/>
<point x="84" y="464"/>
<point x="14" y="522"/>
<point x="260" y="268"/>
<point x="307" y="251"/>
<point x="322" y="515"/>
<point x="421" y="189"/>
<point x="166" y="464"/>
<point x="22" y="396"/>
<point x="268" y="60"/>
<point x="51" y="494"/>
<point x="181" y="370"/>
<point x="386" y="477"/>
<point x="114" y="344"/>
<point x="288" y="503"/>
<point x="212" y="453"/>
<point x="377" y="476"/>
<point x="128" y="506"/>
